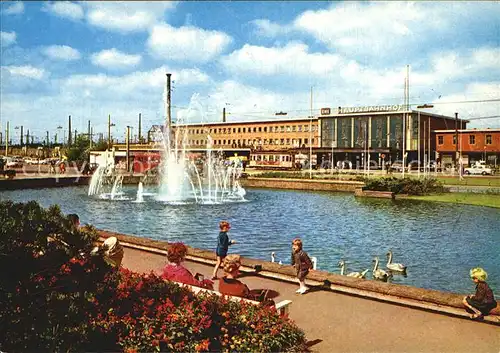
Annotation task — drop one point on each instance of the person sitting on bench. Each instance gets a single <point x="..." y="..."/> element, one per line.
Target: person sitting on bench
<point x="175" y="271"/>
<point x="229" y="285"/>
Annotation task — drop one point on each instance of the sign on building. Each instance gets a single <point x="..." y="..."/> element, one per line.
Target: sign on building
<point x="371" y="108"/>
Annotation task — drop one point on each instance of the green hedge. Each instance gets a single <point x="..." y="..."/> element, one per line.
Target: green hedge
<point x="405" y="185"/>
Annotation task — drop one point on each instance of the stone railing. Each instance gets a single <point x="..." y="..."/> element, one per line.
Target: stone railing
<point x="396" y="293"/>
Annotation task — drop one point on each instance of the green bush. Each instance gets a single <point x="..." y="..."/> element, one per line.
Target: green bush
<point x="404" y="185"/>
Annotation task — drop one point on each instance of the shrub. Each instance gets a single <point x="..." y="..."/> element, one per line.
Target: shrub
<point x="57" y="296"/>
<point x="405" y="185"/>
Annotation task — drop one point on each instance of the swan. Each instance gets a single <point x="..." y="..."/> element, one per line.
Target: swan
<point x="351" y="274"/>
<point x="273" y="258"/>
<point x="379" y="274"/>
<point x="394" y="266"/>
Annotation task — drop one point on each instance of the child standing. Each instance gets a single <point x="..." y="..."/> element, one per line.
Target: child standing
<point x="483" y="301"/>
<point x="222" y="245"/>
<point x="302" y="263"/>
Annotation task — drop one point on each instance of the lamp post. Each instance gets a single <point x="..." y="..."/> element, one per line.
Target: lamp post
<point x="59" y="128"/>
<point x="310" y="136"/>
<point x="109" y="131"/>
<point x="17" y="128"/>
<point x="426" y="160"/>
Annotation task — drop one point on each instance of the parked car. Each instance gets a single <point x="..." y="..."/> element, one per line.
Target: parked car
<point x="398" y="167"/>
<point x="478" y="169"/>
<point x="14" y="163"/>
<point x="31" y="161"/>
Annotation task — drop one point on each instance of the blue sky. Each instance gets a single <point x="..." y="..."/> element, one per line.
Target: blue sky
<point x="91" y="59"/>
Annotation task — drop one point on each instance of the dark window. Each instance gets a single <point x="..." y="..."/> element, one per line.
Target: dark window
<point x="488" y="139"/>
<point x="472" y="139"/>
<point x="440" y="140"/>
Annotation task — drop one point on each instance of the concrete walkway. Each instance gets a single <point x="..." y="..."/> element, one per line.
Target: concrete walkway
<point x="335" y="322"/>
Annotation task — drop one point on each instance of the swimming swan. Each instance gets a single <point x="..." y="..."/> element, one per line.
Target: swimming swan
<point x="394" y="267"/>
<point x="351" y="274"/>
<point x="379" y="274"/>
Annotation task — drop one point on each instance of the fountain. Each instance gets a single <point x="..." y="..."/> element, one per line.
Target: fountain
<point x="140" y="193"/>
<point x="182" y="180"/>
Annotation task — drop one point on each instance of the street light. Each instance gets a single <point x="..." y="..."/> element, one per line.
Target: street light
<point x="310" y="136"/>
<point x="59" y="128"/>
<point x="423" y="106"/>
<point x="109" y="131"/>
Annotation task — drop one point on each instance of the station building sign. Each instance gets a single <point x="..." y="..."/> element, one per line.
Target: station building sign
<point x="325" y="111"/>
<point x="370" y="109"/>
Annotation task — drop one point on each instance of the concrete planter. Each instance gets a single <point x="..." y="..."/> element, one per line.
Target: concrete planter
<point x="359" y="192"/>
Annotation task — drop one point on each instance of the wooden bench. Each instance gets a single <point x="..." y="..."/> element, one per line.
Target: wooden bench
<point x="282" y="307"/>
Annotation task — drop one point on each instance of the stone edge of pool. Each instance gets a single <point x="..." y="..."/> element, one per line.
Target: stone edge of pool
<point x="426" y="299"/>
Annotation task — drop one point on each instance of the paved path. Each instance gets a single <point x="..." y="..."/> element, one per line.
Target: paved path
<point x="335" y="322"/>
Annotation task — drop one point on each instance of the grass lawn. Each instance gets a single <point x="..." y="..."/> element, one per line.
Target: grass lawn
<point x="471" y="180"/>
<point x="488" y="200"/>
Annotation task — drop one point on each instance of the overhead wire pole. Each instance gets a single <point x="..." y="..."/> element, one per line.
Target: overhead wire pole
<point x="404" y="125"/>
<point x="310" y="136"/>
<point x="418" y="143"/>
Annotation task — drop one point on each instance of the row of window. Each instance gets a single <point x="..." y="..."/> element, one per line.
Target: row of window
<point x="234" y="130"/>
<point x="472" y="139"/>
<point x="254" y="142"/>
<point x="270" y="158"/>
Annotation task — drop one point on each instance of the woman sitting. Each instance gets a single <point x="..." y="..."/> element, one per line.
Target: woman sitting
<point x="175" y="271"/>
<point x="113" y="251"/>
<point x="229" y="285"/>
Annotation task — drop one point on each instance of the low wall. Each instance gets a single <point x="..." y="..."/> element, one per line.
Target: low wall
<point x="301" y="184"/>
<point x="359" y="192"/>
<point x="439" y="298"/>
<point x="37" y="183"/>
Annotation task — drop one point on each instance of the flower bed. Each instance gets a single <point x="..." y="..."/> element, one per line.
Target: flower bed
<point x="57" y="297"/>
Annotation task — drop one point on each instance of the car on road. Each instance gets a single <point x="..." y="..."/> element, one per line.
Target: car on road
<point x="31" y="161"/>
<point x="478" y="169"/>
<point x="14" y="163"/>
<point x="398" y="167"/>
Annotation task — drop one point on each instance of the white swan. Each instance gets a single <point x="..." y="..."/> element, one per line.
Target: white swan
<point x="273" y="258"/>
<point x="394" y="267"/>
<point x="379" y="274"/>
<point x="351" y="274"/>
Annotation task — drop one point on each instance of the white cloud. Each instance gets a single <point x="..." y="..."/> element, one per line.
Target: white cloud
<point x="451" y="65"/>
<point x="26" y="71"/>
<point x="115" y="59"/>
<point x="136" y="81"/>
<point x="476" y="111"/>
<point x="186" y="43"/>
<point x="266" y="28"/>
<point x="65" y="9"/>
<point x="364" y="27"/>
<point x="292" y="59"/>
<point x="15" y="9"/>
<point x="7" y="38"/>
<point x="61" y="52"/>
<point x="126" y="16"/>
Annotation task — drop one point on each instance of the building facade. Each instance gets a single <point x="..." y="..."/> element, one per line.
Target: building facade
<point x="473" y="145"/>
<point x="374" y="135"/>
<point x="360" y="136"/>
